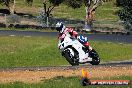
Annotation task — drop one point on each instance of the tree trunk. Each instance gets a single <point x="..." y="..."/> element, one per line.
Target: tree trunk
<point x="87" y="19"/>
<point x="86" y="22"/>
<point x="12" y="8"/>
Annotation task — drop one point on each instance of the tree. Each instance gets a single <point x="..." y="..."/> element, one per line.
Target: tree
<point x="6" y="3"/>
<point x="29" y="2"/>
<point x="90" y="6"/>
<point x="10" y="4"/>
<point x="125" y="13"/>
<point x="49" y="5"/>
<point x="74" y="3"/>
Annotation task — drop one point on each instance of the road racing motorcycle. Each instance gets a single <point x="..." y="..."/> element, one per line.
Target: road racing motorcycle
<point x="75" y="53"/>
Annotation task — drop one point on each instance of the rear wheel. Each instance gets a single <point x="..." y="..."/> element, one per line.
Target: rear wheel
<point x="70" y="58"/>
<point x="95" y="57"/>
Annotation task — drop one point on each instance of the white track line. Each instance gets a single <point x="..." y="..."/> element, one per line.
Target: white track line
<point x="12" y="35"/>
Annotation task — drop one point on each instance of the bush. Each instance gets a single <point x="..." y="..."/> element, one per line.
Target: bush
<point x="125" y="13"/>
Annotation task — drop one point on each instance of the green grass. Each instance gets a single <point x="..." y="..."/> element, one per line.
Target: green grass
<point x="29" y="51"/>
<point x="71" y="82"/>
<point x="30" y="29"/>
<point x="109" y="51"/>
<point x="103" y="12"/>
<point x="21" y="51"/>
<point x="107" y="12"/>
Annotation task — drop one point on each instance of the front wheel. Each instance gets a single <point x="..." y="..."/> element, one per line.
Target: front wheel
<point x="95" y="57"/>
<point x="70" y="58"/>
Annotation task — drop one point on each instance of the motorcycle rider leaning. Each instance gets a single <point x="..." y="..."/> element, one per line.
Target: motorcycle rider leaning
<point x="64" y="30"/>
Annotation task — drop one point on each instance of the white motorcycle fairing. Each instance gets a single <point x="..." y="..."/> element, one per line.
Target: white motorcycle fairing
<point x="68" y="41"/>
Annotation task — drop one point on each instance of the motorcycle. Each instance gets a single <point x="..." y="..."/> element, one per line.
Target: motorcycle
<point x="75" y="53"/>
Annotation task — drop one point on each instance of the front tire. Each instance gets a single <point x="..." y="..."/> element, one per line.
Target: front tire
<point x="95" y="57"/>
<point x="73" y="61"/>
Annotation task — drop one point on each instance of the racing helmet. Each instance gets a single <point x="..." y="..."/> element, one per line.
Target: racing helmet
<point x="82" y="39"/>
<point x="60" y="27"/>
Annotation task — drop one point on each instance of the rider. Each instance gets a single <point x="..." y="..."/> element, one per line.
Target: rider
<point x="64" y="30"/>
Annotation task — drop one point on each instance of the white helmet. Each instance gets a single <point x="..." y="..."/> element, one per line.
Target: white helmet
<point x="60" y="27"/>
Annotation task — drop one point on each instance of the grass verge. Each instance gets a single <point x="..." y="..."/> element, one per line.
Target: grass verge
<point x="29" y="29"/>
<point x="18" y="51"/>
<point x="60" y="82"/>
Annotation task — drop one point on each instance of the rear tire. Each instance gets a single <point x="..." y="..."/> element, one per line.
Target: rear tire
<point x="70" y="59"/>
<point x="95" y="57"/>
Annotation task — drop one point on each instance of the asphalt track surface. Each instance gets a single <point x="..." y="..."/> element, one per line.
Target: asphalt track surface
<point x="69" y="67"/>
<point x="98" y="37"/>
